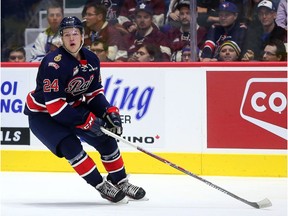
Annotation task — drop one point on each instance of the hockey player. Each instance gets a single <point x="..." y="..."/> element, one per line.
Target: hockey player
<point x="68" y="103"/>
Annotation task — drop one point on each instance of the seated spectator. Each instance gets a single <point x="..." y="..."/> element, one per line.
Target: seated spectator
<point x="257" y="36"/>
<point x="186" y="54"/>
<point x="281" y="17"/>
<point x="113" y="12"/>
<point x="179" y="37"/>
<point x="113" y="8"/>
<point x="208" y="11"/>
<point x="101" y="50"/>
<point x="99" y="29"/>
<point x="147" y="34"/>
<point x="208" y="14"/>
<point x="17" y="55"/>
<point x="229" y="51"/>
<point x="127" y="13"/>
<point x="228" y="29"/>
<point x="250" y="12"/>
<point x="172" y="17"/>
<point x="147" y="53"/>
<point x="275" y="50"/>
<point x="49" y="39"/>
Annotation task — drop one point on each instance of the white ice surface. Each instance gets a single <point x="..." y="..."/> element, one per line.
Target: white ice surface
<point x="66" y="194"/>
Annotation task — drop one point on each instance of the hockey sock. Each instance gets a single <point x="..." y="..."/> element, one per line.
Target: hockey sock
<point x="86" y="168"/>
<point x="114" y="165"/>
<point x="72" y="150"/>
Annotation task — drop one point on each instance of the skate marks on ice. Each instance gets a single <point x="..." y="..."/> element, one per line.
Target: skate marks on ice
<point x="65" y="194"/>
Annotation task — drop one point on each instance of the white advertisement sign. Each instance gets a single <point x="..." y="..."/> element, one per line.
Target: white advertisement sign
<point x="161" y="109"/>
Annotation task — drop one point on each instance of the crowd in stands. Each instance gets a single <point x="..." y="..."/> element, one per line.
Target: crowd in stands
<point x="17" y="54"/>
<point x="160" y="31"/>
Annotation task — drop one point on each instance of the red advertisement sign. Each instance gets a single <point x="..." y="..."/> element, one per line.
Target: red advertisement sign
<point x="247" y="110"/>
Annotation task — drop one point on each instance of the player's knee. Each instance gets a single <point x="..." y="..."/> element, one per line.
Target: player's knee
<point x="70" y="147"/>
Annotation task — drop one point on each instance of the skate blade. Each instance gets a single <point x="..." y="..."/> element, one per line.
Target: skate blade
<point x="125" y="200"/>
<point x="143" y="199"/>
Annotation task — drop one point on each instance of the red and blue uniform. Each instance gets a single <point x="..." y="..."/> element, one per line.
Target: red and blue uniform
<point x="63" y="83"/>
<point x="67" y="90"/>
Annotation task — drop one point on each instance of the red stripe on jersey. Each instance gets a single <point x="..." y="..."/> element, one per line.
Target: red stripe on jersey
<point x="85" y="166"/>
<point x="55" y="107"/>
<point x="33" y="105"/>
<point x="91" y="95"/>
<point x="76" y="103"/>
<point x="115" y="165"/>
<point x="210" y="44"/>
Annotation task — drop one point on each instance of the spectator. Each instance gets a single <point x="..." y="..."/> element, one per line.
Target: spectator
<point x="250" y="12"/>
<point x="147" y="34"/>
<point x="208" y="11"/>
<point x="275" y="50"/>
<point x="228" y="29"/>
<point x="281" y="17"/>
<point x="101" y="50"/>
<point x="113" y="8"/>
<point x="146" y="53"/>
<point x="208" y="15"/>
<point x="17" y="55"/>
<point x="113" y="12"/>
<point x="49" y="39"/>
<point x="99" y="29"/>
<point x="229" y="51"/>
<point x="180" y="37"/>
<point x="172" y="18"/>
<point x="186" y="54"/>
<point x="268" y="30"/>
<point x="127" y="13"/>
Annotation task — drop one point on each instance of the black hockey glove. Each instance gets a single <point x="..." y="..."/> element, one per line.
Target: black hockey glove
<point x="113" y="120"/>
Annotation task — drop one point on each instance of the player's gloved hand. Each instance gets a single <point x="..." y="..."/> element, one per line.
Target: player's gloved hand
<point x="87" y="125"/>
<point x="113" y="120"/>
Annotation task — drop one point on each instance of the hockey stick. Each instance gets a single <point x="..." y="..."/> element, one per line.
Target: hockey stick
<point x="261" y="204"/>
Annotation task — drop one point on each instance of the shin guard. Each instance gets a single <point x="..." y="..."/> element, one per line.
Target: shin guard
<point x="86" y="168"/>
<point x="114" y="165"/>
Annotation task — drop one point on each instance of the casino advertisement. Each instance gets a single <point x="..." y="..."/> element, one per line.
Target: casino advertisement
<point x="140" y="100"/>
<point x="134" y="99"/>
<point x="146" y="106"/>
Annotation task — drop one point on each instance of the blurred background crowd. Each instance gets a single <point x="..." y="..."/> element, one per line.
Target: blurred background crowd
<point x="150" y="30"/>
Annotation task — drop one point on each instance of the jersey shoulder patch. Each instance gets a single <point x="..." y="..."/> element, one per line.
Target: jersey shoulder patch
<point x="53" y="59"/>
<point x="54" y="65"/>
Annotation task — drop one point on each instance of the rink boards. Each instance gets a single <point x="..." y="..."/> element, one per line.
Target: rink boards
<point x="212" y="119"/>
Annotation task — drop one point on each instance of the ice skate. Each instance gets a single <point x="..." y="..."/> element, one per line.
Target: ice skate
<point x="110" y="192"/>
<point x="131" y="191"/>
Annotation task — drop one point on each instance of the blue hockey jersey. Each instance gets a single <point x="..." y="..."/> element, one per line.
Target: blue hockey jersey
<point x="63" y="84"/>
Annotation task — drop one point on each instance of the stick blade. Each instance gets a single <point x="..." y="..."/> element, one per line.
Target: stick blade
<point x="265" y="203"/>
